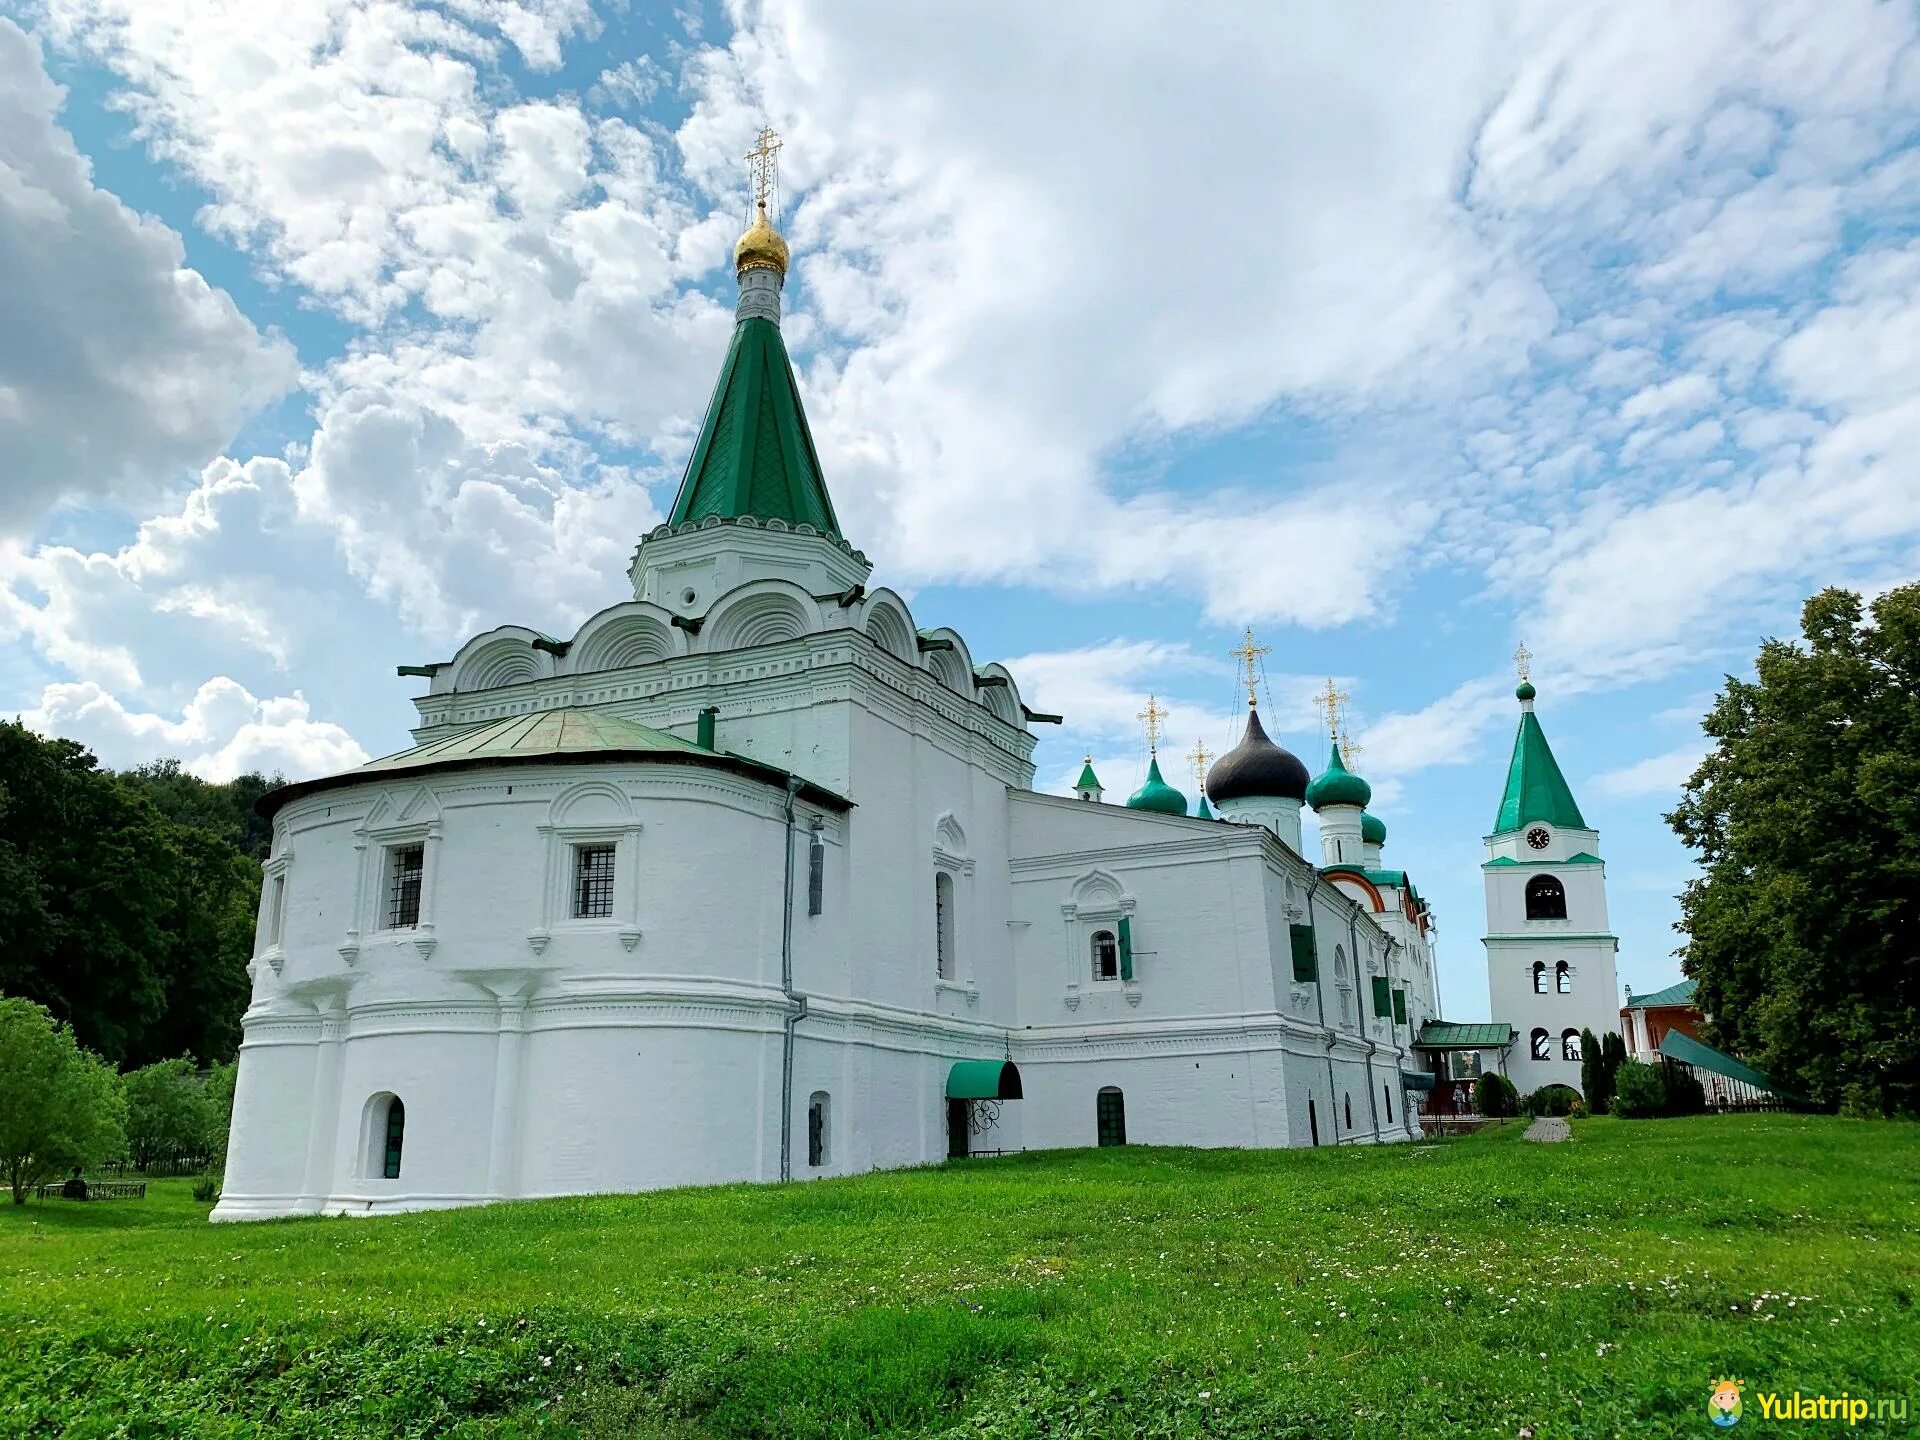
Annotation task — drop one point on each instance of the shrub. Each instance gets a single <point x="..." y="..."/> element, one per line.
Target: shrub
<point x="1639" y="1091"/>
<point x="1494" y="1096"/>
<point x="60" y="1106"/>
<point x="1577" y="1109"/>
<point x="206" y="1187"/>
<point x="1555" y="1099"/>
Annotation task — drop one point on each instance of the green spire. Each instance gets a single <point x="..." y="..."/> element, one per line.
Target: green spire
<point x="755" y="454"/>
<point x="1203" y="813"/>
<point x="1337" y="785"/>
<point x="1156" y="794"/>
<point x="1088" y="780"/>
<point x="1536" y="790"/>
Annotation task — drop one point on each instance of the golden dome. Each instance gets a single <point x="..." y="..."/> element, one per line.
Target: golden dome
<point x="761" y="248"/>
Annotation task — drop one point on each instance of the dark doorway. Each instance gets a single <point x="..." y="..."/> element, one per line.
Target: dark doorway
<point x="1110" y="1115"/>
<point x="956" y="1129"/>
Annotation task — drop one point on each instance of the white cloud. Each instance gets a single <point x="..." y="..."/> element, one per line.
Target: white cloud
<point x="119" y="366"/>
<point x="1660" y="775"/>
<point x="222" y="731"/>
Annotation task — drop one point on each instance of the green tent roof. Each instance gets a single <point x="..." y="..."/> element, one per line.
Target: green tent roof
<point x="1681" y="994"/>
<point x="1088" y="780"/>
<point x="569" y="735"/>
<point x="1203" y="811"/>
<point x="1536" y="790"/>
<point x="755" y="454"/>
<point x="1446" y="1035"/>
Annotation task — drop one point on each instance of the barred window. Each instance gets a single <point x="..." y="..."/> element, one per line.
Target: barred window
<point x="1106" y="956"/>
<point x="592" y="882"/>
<point x="405" y="865"/>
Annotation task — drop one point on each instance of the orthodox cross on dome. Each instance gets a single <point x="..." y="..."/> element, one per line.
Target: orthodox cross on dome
<point x="1153" y="715"/>
<point x="1198" y="758"/>
<point x="1523" y="661"/>
<point x="1330" y="700"/>
<point x="1347" y="748"/>
<point x="765" y="160"/>
<point x="1249" y="654"/>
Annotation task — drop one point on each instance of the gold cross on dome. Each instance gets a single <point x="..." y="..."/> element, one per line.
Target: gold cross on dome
<point x="1347" y="749"/>
<point x="1248" y="654"/>
<point x="1523" y="661"/>
<point x="765" y="160"/>
<point x="1153" y="715"/>
<point x="1199" y="756"/>
<point x="1330" y="700"/>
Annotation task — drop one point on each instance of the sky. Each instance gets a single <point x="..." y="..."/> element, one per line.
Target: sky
<point x="339" y="331"/>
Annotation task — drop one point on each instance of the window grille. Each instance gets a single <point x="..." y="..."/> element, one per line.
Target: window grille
<point x="396" y="1132"/>
<point x="1110" y="1116"/>
<point x="817" y="1129"/>
<point x="592" y="882"/>
<point x="943" y="925"/>
<point x="404" y="870"/>
<point x="1106" y="956"/>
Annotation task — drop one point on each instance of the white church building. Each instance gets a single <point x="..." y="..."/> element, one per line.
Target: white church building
<point x="747" y="880"/>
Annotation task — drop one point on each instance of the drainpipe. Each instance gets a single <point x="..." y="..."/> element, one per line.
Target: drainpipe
<point x="1353" y="949"/>
<point x="1320" y="1001"/>
<point x="796" y="1003"/>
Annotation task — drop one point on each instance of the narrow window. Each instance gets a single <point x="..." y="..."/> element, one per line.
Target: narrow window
<point x="276" y="904"/>
<point x="943" y="924"/>
<point x="816" y="873"/>
<point x="1570" y="1045"/>
<point x="396" y="1129"/>
<point x="405" y="864"/>
<point x="1546" y="899"/>
<point x="1349" y="1102"/>
<point x="1110" y="1116"/>
<point x="1542" y="1045"/>
<point x="592" y="882"/>
<point x="1399" y="1007"/>
<point x="1382" y="997"/>
<point x="1539" y="977"/>
<point x="1313" y="1121"/>
<point x="1106" y="956"/>
<point x="1563" y="978"/>
<point x="1386" y="1093"/>
<point x="1306" y="959"/>
<point x="817" y="1129"/>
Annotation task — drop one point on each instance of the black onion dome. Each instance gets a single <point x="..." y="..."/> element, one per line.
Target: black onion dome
<point x="1257" y="768"/>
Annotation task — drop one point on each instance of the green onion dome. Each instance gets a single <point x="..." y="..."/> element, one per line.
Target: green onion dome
<point x="1524" y="690"/>
<point x="1337" y="785"/>
<point x="1156" y="794"/>
<point x="1373" y="830"/>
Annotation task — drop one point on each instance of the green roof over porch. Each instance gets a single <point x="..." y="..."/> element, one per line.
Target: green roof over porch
<point x="1447" y="1035"/>
<point x="983" y="1080"/>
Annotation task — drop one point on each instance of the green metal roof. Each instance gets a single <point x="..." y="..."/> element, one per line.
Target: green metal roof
<point x="572" y="734"/>
<point x="1337" y="785"/>
<point x="1536" y="790"/>
<point x="1201" y="811"/>
<point x="1678" y="1045"/>
<point x="1583" y="858"/>
<point x="983" y="1080"/>
<point x="1156" y="794"/>
<point x="1088" y="780"/>
<point x="755" y="454"/>
<point x="1681" y="994"/>
<point x="1446" y="1035"/>
<point x="1373" y="830"/>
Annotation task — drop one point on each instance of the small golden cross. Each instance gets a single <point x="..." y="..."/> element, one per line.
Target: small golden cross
<point x="1153" y="715"/>
<point x="1248" y="654"/>
<point x="1347" y="749"/>
<point x="1330" y="700"/>
<point x="1199" y="756"/>
<point x="1523" y="661"/>
<point x="765" y="159"/>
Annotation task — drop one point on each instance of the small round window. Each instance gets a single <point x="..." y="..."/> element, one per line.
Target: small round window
<point x="687" y="597"/>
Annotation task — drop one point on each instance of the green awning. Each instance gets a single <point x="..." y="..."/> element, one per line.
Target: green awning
<point x="1416" y="1079"/>
<point x="1678" y="1045"/>
<point x="983" y="1080"/>
<point x="1445" y="1035"/>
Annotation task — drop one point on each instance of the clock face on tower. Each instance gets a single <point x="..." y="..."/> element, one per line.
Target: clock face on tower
<point x="1538" y="837"/>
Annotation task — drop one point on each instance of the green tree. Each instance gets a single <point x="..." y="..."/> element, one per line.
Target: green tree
<point x="167" y="1111"/>
<point x="1640" y="1090"/>
<point x="60" y="1106"/>
<point x="219" y="1113"/>
<point x="1593" y="1069"/>
<point x="1805" y="816"/>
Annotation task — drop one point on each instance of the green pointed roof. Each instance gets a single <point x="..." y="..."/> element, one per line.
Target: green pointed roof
<point x="1203" y="813"/>
<point x="755" y="454"/>
<point x="569" y="735"/>
<point x="1156" y="794"/>
<point x="1337" y="785"/>
<point x="1536" y="790"/>
<point x="1088" y="780"/>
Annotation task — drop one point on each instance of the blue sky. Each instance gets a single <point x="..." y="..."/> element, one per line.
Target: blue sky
<point x="351" y="333"/>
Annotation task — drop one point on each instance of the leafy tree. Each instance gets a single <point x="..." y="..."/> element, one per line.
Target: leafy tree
<point x="1494" y="1095"/>
<point x="1640" y="1091"/>
<point x="167" y="1111"/>
<point x="219" y="1113"/>
<point x="1806" y="819"/>
<point x="59" y="1105"/>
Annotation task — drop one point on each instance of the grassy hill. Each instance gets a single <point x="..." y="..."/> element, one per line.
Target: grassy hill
<point x="1594" y="1289"/>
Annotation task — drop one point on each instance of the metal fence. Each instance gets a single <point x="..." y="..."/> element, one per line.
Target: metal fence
<point x="174" y="1162"/>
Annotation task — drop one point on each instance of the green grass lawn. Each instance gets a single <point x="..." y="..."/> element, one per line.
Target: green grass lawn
<point x="1587" y="1289"/>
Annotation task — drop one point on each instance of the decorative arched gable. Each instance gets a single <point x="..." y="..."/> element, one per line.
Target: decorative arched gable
<point x="888" y="623"/>
<point x="624" y="635"/>
<point x="503" y="656"/>
<point x="765" y="613"/>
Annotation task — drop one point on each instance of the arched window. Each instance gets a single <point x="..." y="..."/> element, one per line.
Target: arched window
<point x="1542" y="1045"/>
<point x="1539" y="977"/>
<point x="387" y="1126"/>
<point x="1106" y="956"/>
<point x="1110" y="1116"/>
<point x="943" y="924"/>
<point x="1339" y="963"/>
<point x="1569" y="1044"/>
<point x="1546" y="898"/>
<point x="817" y="1136"/>
<point x="1563" y="978"/>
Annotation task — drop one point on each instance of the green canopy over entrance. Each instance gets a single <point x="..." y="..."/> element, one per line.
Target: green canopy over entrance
<point x="983" y="1080"/>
